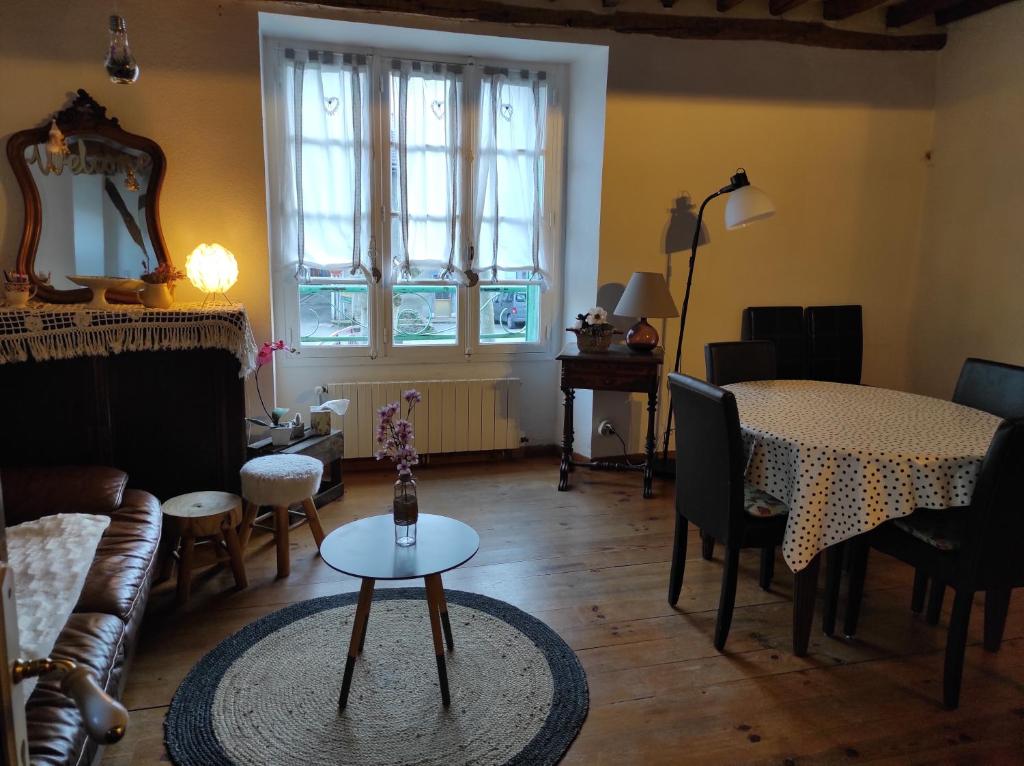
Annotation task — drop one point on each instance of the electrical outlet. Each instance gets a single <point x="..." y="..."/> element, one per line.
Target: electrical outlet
<point x="605" y="428"/>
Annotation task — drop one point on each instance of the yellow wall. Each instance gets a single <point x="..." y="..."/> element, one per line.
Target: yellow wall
<point x="837" y="138"/>
<point x="970" y="297"/>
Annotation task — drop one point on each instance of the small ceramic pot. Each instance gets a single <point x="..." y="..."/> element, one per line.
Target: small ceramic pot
<point x="281" y="435"/>
<point x="17" y="299"/>
<point x="157" y="296"/>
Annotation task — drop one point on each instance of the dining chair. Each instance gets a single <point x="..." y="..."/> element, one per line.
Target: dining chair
<point x="784" y="326"/>
<point x="711" y="493"/>
<point x="835" y="343"/>
<point x="973" y="549"/>
<point x="993" y="387"/>
<point x="736" y="361"/>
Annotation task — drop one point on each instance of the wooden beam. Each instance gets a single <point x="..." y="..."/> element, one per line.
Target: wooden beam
<point x="724" y="6"/>
<point x="661" y="24"/>
<point x="901" y="14"/>
<point x="779" y="7"/>
<point x="836" y="10"/>
<point x="965" y="9"/>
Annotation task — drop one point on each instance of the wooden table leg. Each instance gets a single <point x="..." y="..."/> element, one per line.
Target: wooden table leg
<point x="434" y="598"/>
<point x="833" y="581"/>
<point x="234" y="547"/>
<point x="281" y="525"/>
<point x="805" y="588"/>
<point x="314" y="521"/>
<point x="185" y="568"/>
<point x="358" y="636"/>
<point x="567" y="438"/>
<point x="248" y="519"/>
<point x="652" y="408"/>
<point x="446" y="623"/>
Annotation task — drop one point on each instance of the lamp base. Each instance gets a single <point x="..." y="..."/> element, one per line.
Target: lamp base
<point x="642" y="337"/>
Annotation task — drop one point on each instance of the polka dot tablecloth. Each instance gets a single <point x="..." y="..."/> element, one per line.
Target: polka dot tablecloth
<point x="847" y="458"/>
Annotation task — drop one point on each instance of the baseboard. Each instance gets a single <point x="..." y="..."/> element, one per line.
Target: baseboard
<point x="366" y="464"/>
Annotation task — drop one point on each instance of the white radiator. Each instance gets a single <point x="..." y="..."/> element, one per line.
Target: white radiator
<point x="454" y="416"/>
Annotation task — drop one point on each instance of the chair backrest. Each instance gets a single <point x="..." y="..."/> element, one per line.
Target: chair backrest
<point x="709" y="456"/>
<point x="835" y="343"/>
<point x="738" y="360"/>
<point x="784" y="326"/>
<point x="991" y="386"/>
<point x="996" y="522"/>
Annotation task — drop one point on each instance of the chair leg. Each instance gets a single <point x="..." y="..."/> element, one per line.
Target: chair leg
<point x="997" y="604"/>
<point x="767" y="567"/>
<point x="248" y="519"/>
<point x="920" y="588"/>
<point x="281" y="521"/>
<point x="936" y="592"/>
<point x="805" y="590"/>
<point x="858" y="559"/>
<point x="234" y="547"/>
<point x="675" y="578"/>
<point x="833" y="580"/>
<point x="956" y="641"/>
<point x="727" y="598"/>
<point x="707" y="546"/>
<point x="314" y="521"/>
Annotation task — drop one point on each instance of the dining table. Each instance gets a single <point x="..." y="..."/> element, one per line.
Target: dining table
<point x="845" y="458"/>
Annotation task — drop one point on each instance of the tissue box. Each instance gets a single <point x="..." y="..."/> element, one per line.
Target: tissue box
<point x="320" y="422"/>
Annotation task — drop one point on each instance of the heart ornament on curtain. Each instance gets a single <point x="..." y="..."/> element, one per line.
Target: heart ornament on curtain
<point x="331" y="105"/>
<point x="506" y="112"/>
<point x="437" y="107"/>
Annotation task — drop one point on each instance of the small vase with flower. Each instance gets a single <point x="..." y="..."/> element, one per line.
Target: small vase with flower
<point x="394" y="441"/>
<point x="593" y="331"/>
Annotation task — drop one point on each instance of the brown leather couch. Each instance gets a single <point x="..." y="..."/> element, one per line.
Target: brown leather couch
<point x="103" y="630"/>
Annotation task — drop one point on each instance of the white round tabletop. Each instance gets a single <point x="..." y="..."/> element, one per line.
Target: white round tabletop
<point x="366" y="548"/>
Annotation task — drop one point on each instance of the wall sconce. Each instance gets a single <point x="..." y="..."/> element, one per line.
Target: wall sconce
<point x="212" y="269"/>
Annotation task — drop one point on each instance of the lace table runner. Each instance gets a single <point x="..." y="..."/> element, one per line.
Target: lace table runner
<point x="50" y="331"/>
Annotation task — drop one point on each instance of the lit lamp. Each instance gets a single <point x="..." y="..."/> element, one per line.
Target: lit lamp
<point x="212" y="269"/>
<point x="746" y="205"/>
<point x="646" y="295"/>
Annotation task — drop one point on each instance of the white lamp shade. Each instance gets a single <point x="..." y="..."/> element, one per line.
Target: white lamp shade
<point x="646" y="295"/>
<point x="746" y="205"/>
<point x="212" y="268"/>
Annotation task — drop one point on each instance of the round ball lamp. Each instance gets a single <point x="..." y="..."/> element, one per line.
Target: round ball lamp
<point x="212" y="269"/>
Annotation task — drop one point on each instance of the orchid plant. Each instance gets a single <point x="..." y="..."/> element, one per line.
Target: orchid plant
<point x="395" y="436"/>
<point x="263" y="358"/>
<point x="593" y="322"/>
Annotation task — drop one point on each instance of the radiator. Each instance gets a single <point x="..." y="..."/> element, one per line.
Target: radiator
<point x="454" y="416"/>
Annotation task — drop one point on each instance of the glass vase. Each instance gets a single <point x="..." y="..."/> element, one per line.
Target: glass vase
<point x="406" y="511"/>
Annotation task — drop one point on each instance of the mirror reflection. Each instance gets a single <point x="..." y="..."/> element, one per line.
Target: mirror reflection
<point x="93" y="196"/>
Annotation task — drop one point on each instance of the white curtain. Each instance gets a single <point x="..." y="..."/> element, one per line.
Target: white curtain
<point x="327" y="222"/>
<point x="426" y="168"/>
<point x="508" y="225"/>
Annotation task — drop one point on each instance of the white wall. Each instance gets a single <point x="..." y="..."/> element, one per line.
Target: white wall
<point x="970" y="297"/>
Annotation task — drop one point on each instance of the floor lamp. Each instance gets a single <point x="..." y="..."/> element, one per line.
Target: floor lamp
<point x="746" y="205"/>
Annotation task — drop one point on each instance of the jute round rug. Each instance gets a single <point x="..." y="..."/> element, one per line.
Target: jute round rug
<point x="269" y="693"/>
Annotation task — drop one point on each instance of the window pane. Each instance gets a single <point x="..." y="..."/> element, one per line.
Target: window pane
<point x="424" y="315"/>
<point x="333" y="315"/>
<point x="509" y="313"/>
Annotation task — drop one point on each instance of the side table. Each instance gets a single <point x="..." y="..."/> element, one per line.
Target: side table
<point x="617" y="369"/>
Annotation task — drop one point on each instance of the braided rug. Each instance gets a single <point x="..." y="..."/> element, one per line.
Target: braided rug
<point x="269" y="693"/>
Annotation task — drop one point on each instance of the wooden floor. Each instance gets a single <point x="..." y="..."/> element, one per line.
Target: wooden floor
<point x="593" y="564"/>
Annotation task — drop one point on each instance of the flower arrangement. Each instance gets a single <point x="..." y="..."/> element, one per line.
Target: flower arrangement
<point x="164" y="274"/>
<point x="263" y="357"/>
<point x="395" y="437"/>
<point x="592" y="330"/>
<point x="16" y="282"/>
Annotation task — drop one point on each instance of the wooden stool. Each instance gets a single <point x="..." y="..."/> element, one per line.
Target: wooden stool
<point x="201" y="516"/>
<point x="280" y="481"/>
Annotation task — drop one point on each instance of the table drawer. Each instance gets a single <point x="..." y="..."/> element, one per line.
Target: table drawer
<point x="600" y="376"/>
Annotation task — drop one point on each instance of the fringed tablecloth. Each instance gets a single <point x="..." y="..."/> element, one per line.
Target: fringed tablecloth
<point x="47" y="331"/>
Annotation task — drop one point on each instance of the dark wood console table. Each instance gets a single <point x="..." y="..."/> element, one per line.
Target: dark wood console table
<point x="617" y="369"/>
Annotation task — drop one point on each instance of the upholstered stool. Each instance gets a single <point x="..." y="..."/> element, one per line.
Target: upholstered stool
<point x="206" y="516"/>
<point x="280" y="481"/>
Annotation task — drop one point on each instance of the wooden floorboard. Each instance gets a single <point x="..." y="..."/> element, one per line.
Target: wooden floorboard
<point x="593" y="564"/>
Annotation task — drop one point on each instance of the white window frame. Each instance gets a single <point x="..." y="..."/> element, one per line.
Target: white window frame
<point x="380" y="349"/>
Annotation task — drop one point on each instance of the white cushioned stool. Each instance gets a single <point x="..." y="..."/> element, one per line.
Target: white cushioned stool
<point x="281" y="481"/>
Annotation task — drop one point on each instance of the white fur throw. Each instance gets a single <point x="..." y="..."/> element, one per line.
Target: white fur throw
<point x="50" y="558"/>
<point x="281" y="479"/>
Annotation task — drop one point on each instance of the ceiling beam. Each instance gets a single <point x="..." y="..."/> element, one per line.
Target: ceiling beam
<point x="965" y="9"/>
<point x="837" y="10"/>
<point x="901" y="14"/>
<point x="779" y="7"/>
<point x="676" y="26"/>
<point x="724" y="6"/>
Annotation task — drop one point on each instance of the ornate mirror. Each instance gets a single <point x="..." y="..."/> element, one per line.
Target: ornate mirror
<point x="91" y="193"/>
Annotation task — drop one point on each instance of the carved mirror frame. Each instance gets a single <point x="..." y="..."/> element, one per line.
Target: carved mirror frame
<point x="82" y="116"/>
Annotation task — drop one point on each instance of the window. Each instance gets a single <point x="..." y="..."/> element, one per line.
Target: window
<point x="415" y="201"/>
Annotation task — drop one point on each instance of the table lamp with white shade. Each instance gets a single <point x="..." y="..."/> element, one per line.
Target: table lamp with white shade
<point x="212" y="269"/>
<point x="646" y="295"/>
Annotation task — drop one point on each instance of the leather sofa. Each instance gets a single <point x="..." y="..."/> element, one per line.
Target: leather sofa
<point x="103" y="629"/>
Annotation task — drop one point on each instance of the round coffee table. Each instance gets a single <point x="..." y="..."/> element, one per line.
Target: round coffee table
<point x="366" y="549"/>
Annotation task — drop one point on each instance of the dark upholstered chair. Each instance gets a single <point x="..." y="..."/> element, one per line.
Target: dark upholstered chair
<point x="985" y="385"/>
<point x="733" y="362"/>
<point x="710" y="490"/>
<point x="835" y="343"/>
<point x="973" y="549"/>
<point x="783" y="326"/>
